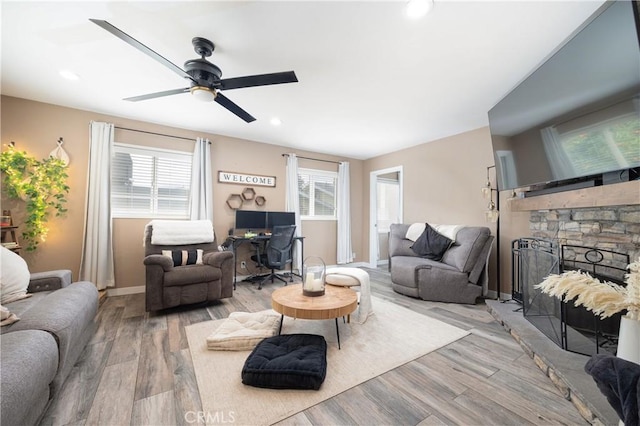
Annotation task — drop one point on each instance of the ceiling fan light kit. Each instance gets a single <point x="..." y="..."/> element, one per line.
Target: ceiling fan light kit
<point x="203" y="94"/>
<point x="205" y="77"/>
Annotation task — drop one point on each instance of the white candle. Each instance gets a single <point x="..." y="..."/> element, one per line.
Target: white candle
<point x="308" y="282"/>
<point x="317" y="284"/>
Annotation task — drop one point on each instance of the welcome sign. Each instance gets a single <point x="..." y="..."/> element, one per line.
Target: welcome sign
<point x="246" y="179"/>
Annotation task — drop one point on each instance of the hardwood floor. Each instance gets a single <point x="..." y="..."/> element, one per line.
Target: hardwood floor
<point x="137" y="370"/>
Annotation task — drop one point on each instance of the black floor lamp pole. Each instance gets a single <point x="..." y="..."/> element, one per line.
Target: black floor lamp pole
<point x="498" y="242"/>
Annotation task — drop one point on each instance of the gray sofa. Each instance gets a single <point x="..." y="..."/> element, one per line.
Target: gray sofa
<point x="39" y="351"/>
<point x="459" y="277"/>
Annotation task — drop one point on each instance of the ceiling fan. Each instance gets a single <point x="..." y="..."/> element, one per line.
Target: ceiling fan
<point x="204" y="77"/>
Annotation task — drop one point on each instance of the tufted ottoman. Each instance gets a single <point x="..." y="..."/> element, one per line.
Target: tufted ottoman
<point x="287" y="361"/>
<point x="242" y="331"/>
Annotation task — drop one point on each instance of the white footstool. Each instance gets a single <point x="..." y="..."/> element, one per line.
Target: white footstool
<point x="353" y="277"/>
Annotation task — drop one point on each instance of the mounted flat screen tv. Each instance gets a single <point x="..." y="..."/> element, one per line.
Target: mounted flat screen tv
<point x="577" y="116"/>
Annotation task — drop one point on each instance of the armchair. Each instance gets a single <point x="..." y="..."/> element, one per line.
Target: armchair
<point x="170" y="283"/>
<point x="277" y="253"/>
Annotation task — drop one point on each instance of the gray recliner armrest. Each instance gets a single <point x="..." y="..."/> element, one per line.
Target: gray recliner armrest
<point x="49" y="280"/>
<point x="216" y="258"/>
<point x="157" y="259"/>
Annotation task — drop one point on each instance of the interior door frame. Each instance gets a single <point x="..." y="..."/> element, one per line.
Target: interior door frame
<point x="373" y="207"/>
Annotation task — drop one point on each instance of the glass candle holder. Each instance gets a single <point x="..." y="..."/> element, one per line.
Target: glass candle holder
<point x="313" y="276"/>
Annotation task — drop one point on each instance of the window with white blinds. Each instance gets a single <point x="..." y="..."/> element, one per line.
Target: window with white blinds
<point x="317" y="190"/>
<point x="150" y="182"/>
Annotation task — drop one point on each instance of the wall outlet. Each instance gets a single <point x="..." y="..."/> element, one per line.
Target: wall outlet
<point x="243" y="264"/>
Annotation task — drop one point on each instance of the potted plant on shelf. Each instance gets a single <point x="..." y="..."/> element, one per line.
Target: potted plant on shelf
<point x="604" y="299"/>
<point x="42" y="185"/>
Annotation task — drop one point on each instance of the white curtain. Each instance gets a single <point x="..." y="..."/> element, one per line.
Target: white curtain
<point x="96" y="264"/>
<point x="293" y="205"/>
<point x="345" y="253"/>
<point x="201" y="207"/>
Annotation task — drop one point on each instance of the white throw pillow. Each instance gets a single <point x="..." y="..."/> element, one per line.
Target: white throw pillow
<point x="415" y="230"/>
<point x="14" y="276"/>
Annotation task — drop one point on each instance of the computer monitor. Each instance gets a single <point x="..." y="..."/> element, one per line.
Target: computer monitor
<point x="280" y="219"/>
<point x="251" y="219"/>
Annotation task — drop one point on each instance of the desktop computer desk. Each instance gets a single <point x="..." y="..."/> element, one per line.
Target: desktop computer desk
<point x="238" y="240"/>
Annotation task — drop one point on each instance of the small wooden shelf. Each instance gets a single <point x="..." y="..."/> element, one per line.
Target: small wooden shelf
<point x="248" y="194"/>
<point x="9" y="239"/>
<point x="619" y="194"/>
<point x="234" y="201"/>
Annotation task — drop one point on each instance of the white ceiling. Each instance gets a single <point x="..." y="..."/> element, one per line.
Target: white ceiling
<point x="370" y="80"/>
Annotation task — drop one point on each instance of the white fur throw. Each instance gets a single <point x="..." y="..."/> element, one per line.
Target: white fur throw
<point x="347" y="277"/>
<point x="416" y="229"/>
<point x="177" y="232"/>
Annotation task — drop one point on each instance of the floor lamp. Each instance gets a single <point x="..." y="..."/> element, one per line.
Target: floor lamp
<point x="492" y="214"/>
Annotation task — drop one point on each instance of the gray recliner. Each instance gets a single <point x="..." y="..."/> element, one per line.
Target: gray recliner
<point x="168" y="286"/>
<point x="460" y="275"/>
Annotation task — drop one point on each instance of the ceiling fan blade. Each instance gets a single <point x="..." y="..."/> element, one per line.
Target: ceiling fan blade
<point x="258" y="80"/>
<point x="141" y="47"/>
<point x="228" y="104"/>
<point x="157" y="95"/>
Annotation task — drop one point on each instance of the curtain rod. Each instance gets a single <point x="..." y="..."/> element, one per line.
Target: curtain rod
<point x="314" y="159"/>
<point x="157" y="134"/>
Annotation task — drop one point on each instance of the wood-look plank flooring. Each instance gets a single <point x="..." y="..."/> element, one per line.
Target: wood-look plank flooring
<point x="137" y="370"/>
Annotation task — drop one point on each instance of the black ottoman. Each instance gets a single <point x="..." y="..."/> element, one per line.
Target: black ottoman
<point x="287" y="361"/>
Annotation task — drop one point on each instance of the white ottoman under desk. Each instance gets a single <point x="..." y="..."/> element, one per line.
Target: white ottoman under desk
<point x="353" y="277"/>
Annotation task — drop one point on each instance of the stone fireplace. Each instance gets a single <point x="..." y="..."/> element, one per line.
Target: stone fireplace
<point x="599" y="240"/>
<point x="615" y="228"/>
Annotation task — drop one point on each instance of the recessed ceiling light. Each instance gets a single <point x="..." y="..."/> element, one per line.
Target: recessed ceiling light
<point x="416" y="9"/>
<point x="275" y="121"/>
<point x="69" y="75"/>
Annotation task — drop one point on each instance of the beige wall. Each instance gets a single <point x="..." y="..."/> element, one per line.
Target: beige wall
<point x="35" y="127"/>
<point x="442" y="181"/>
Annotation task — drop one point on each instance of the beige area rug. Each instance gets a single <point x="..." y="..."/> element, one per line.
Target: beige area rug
<point x="392" y="336"/>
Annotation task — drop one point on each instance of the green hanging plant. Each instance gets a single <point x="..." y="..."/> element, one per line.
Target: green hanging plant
<point x="41" y="184"/>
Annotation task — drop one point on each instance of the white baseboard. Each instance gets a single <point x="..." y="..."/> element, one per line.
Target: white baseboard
<point x="125" y="290"/>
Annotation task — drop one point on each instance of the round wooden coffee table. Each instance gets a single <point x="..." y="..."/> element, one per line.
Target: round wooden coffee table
<point x="335" y="303"/>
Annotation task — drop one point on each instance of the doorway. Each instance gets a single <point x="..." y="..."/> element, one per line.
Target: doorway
<point x="385" y="194"/>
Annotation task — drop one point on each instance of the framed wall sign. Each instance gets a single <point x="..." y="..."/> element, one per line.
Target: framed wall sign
<point x="246" y="179"/>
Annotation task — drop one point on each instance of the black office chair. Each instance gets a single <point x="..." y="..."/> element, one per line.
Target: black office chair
<point x="277" y="252"/>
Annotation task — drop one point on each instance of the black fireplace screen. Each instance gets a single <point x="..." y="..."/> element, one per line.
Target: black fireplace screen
<point x="573" y="328"/>
<point x="583" y="332"/>
<point x="533" y="260"/>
